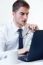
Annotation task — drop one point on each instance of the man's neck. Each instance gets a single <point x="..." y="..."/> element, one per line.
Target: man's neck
<point x="18" y="25"/>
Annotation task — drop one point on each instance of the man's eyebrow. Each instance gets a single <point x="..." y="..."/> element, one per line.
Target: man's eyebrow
<point x="24" y="13"/>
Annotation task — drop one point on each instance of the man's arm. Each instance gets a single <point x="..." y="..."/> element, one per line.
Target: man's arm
<point x="32" y="28"/>
<point x="2" y="41"/>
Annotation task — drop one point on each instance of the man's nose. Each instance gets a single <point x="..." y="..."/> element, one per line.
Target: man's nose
<point x="25" y="16"/>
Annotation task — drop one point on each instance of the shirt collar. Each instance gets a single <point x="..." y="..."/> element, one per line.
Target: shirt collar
<point x="14" y="26"/>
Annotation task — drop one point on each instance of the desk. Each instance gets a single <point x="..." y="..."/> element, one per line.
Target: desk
<point x="39" y="62"/>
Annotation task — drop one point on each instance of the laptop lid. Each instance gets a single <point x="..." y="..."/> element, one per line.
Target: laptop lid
<point x="36" y="49"/>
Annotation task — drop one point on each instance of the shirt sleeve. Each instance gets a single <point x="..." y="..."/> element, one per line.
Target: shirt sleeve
<point x="28" y="40"/>
<point x="2" y="41"/>
<point x="4" y="53"/>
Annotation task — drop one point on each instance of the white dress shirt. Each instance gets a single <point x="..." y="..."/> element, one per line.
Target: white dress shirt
<point x="9" y="38"/>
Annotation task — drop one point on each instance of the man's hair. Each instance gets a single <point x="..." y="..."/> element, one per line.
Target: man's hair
<point x="19" y="3"/>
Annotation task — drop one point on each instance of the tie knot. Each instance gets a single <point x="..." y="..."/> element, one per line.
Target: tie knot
<point x="20" y="33"/>
<point x="20" y="30"/>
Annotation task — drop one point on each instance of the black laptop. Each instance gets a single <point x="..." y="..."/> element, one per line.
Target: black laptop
<point x="36" y="49"/>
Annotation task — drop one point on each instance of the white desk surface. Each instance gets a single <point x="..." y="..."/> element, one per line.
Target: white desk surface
<point x="39" y="62"/>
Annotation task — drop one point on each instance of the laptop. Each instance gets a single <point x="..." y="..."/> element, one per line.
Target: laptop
<point x="36" y="49"/>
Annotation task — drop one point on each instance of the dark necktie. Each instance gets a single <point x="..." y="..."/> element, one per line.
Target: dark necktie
<point x="20" y="39"/>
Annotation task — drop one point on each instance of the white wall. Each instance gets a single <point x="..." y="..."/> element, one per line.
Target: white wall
<point x="36" y="12"/>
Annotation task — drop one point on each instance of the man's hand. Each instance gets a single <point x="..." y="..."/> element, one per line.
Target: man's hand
<point x="21" y="51"/>
<point x="32" y="27"/>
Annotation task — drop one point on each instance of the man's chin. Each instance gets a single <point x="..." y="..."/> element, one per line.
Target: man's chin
<point x="23" y="25"/>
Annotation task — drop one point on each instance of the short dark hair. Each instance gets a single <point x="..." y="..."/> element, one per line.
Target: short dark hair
<point x="19" y="3"/>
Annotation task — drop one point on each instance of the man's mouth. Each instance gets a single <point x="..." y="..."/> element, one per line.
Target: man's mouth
<point x="24" y="21"/>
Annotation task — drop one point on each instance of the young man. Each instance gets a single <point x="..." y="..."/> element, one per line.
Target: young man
<point x="9" y="34"/>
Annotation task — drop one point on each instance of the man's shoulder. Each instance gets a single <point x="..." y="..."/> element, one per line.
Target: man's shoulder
<point x="4" y="27"/>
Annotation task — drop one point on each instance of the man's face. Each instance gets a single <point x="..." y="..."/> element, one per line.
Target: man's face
<point x="21" y="16"/>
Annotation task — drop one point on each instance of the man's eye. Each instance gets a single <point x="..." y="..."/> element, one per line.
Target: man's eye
<point x="22" y="13"/>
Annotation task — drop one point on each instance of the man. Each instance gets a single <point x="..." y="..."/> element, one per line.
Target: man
<point x="9" y="34"/>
